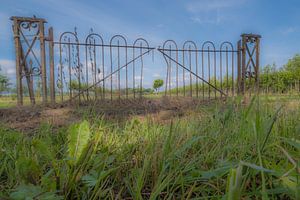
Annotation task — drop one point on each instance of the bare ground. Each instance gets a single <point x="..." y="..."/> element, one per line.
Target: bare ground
<point x="161" y="110"/>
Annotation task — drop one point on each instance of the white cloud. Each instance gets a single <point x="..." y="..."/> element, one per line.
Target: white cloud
<point x="8" y="67"/>
<point x="156" y="75"/>
<point x="207" y="20"/>
<point x="212" y="5"/>
<point x="289" y="30"/>
<point x="137" y="77"/>
<point x="211" y="11"/>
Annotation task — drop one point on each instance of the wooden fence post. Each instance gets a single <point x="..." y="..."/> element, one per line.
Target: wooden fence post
<point x="51" y="62"/>
<point x="43" y="62"/>
<point x="18" y="67"/>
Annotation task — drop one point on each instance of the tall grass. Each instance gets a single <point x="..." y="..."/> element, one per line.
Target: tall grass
<point x="224" y="151"/>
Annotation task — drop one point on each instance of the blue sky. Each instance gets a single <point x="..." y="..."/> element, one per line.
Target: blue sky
<point x="278" y="21"/>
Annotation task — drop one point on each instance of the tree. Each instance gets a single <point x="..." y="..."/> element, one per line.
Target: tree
<point x="273" y="79"/>
<point x="157" y="84"/>
<point x="4" y="82"/>
<point x="293" y="65"/>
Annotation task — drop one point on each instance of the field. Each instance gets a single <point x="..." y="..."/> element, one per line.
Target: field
<point x="243" y="148"/>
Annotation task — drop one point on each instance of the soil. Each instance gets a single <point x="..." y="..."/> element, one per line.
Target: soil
<point x="26" y="119"/>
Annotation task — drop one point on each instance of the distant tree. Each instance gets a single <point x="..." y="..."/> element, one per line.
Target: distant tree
<point x="4" y="82"/>
<point x="148" y="90"/>
<point x="157" y="84"/>
<point x="293" y="65"/>
<point x="74" y="85"/>
<point x="274" y="79"/>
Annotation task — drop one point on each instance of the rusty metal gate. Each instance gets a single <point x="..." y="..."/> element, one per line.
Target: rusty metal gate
<point x="109" y="69"/>
<point x="86" y="70"/>
<point x="92" y="69"/>
<point x="212" y="71"/>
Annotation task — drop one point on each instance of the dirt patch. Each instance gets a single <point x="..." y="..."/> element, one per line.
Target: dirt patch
<point x="30" y="118"/>
<point x="161" y="110"/>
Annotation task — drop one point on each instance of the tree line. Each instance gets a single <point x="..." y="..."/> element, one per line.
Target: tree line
<point x="281" y="80"/>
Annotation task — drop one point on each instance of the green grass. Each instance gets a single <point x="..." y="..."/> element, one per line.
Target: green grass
<point x="222" y="151"/>
<point x="8" y="101"/>
<point x="11" y="101"/>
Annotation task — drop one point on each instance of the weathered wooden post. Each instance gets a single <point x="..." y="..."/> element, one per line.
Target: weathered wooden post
<point x="51" y="63"/>
<point x="243" y="66"/>
<point x="43" y="62"/>
<point x="239" y="68"/>
<point x="18" y="56"/>
<point x="257" y="62"/>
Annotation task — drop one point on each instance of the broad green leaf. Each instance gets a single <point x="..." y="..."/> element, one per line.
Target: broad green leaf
<point x="78" y="136"/>
<point x="90" y="179"/>
<point x="32" y="192"/>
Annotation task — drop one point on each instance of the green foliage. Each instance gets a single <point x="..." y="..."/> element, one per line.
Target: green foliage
<point x="282" y="80"/>
<point x="74" y="85"/>
<point x="293" y="66"/>
<point x="157" y="84"/>
<point x="78" y="136"/>
<point x="4" y="82"/>
<point x="234" y="183"/>
<point x="32" y="192"/>
<point x="277" y="80"/>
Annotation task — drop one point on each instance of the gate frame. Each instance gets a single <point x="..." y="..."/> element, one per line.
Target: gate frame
<point x="21" y="60"/>
<point x="248" y="64"/>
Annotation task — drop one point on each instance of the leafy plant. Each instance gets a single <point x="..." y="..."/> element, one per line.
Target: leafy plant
<point x="78" y="136"/>
<point x="157" y="84"/>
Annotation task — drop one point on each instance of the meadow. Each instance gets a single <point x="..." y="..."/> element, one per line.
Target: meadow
<point x="238" y="149"/>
